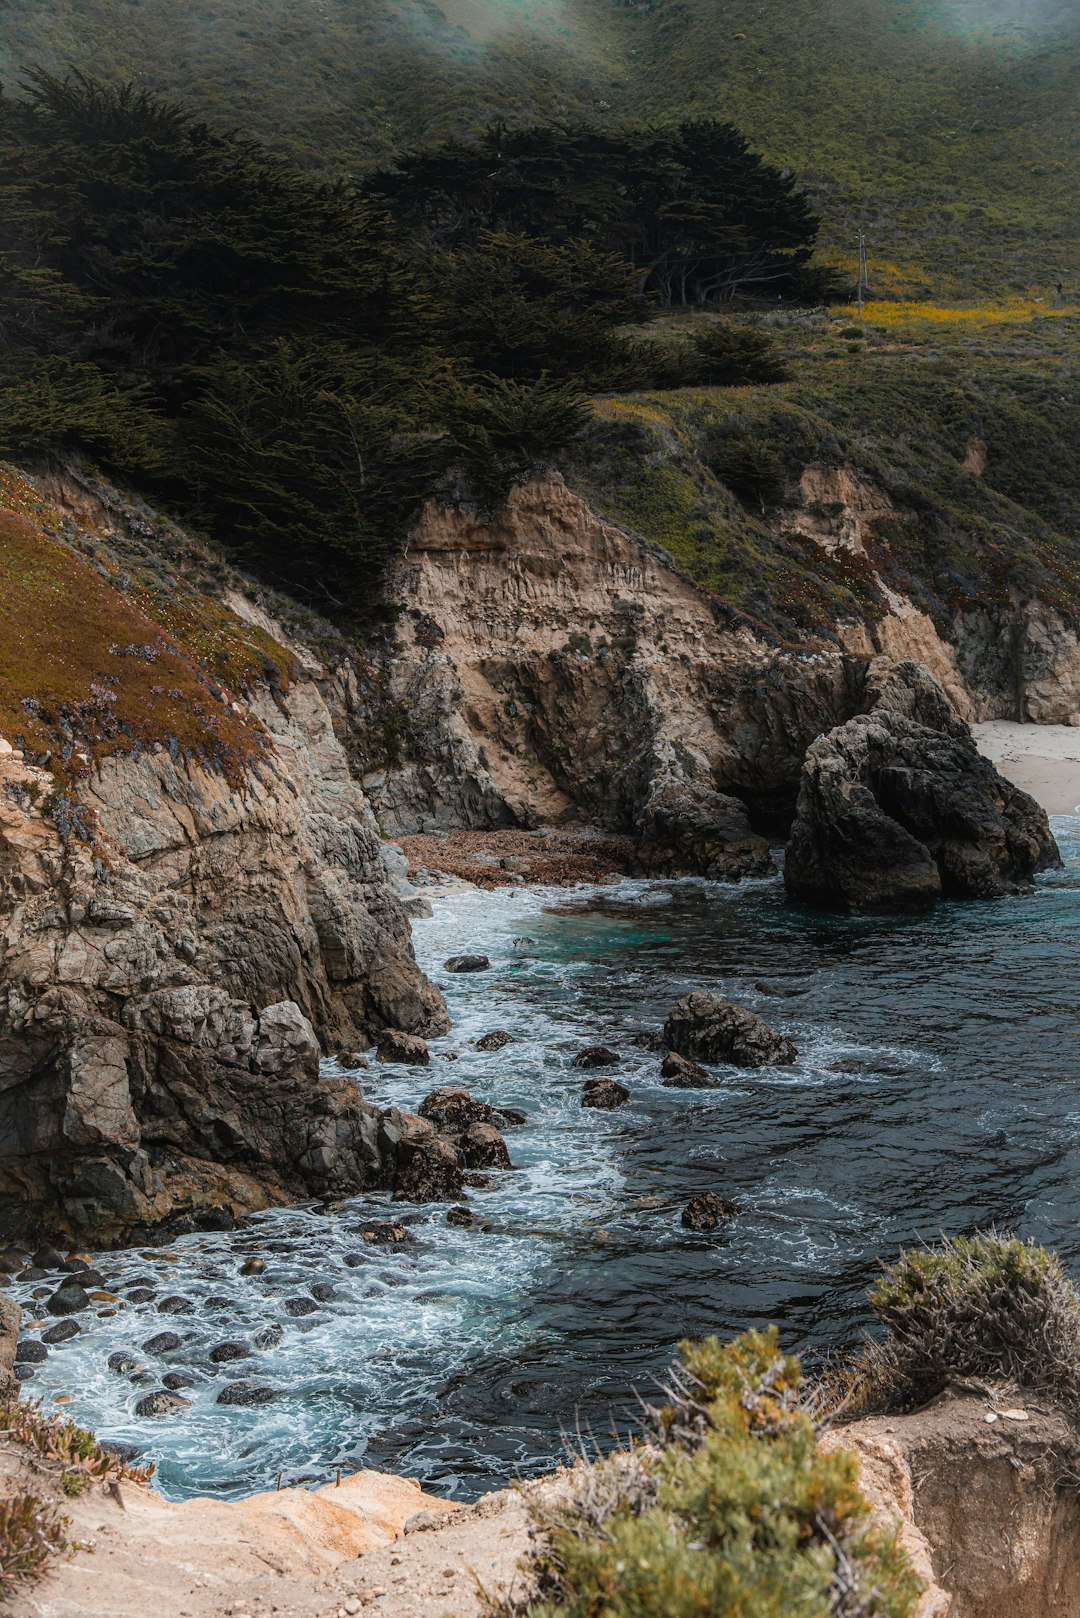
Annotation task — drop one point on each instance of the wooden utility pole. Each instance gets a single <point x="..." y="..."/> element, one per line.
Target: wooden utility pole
<point x="864" y="272"/>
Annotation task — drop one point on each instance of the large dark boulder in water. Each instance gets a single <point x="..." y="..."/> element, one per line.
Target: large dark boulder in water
<point x="707" y="1028"/>
<point x="894" y="815"/>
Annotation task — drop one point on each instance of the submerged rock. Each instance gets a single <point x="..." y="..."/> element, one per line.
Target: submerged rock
<point x="246" y="1393"/>
<point x="62" y="1332"/>
<point x="708" y="1028"/>
<point x="680" y="1073"/>
<point x="604" y="1094"/>
<point x="495" y="1040"/>
<point x="161" y="1403"/>
<point x="70" y="1299"/>
<point x="298" y="1307"/>
<point x="893" y="815"/>
<point x="706" y="1211"/>
<point x="465" y="1219"/>
<point x="408" y="1049"/>
<point x="467" y="963"/>
<point x="386" y="1233"/>
<point x="163" y="1343"/>
<point x="596" y="1056"/>
<point x="222" y="1353"/>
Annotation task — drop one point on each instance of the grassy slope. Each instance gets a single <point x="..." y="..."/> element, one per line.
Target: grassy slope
<point x="900" y="405"/>
<point x="945" y="127"/>
<point x="109" y="648"/>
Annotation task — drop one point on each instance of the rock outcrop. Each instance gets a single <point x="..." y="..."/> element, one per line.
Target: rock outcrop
<point x="978" y="1488"/>
<point x="178" y="945"/>
<point x="547" y="667"/>
<point x="894" y="814"/>
<point x="554" y="669"/>
<point x="707" y="1028"/>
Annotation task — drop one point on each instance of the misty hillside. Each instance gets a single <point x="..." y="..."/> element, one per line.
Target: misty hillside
<point x="950" y="129"/>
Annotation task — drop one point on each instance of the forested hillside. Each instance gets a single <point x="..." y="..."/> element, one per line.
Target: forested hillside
<point x="949" y="129"/>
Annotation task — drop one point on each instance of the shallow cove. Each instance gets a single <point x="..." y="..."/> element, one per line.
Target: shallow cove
<point x="936" y="1091"/>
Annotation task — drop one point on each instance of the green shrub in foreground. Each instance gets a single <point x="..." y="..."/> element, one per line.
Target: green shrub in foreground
<point x="984" y="1306"/>
<point x="730" y="1513"/>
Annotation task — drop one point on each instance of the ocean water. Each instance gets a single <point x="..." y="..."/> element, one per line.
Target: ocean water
<point x="937" y="1091"/>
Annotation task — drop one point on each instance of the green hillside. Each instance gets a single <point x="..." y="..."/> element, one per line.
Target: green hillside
<point x="949" y="129"/>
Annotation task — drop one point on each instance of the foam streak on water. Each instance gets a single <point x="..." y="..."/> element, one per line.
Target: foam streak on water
<point x="938" y="1089"/>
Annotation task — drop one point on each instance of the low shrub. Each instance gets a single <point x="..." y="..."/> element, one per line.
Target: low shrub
<point x="727" y="1510"/>
<point x="978" y="1306"/>
<point x="730" y="356"/>
<point x="749" y="467"/>
<point x="60" y="1440"/>
<point x="715" y="354"/>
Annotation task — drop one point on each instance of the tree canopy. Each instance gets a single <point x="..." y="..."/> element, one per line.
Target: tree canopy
<point x="696" y="214"/>
<point x="295" y="364"/>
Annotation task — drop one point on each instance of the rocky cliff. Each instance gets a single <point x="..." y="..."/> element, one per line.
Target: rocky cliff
<point x="195" y="899"/>
<point x="548" y="666"/>
<point x="189" y="916"/>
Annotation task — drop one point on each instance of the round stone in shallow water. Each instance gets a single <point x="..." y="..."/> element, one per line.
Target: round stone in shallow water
<point x="162" y="1403"/>
<point x="176" y="1305"/>
<point x="70" y="1299"/>
<point x="62" y="1332"/>
<point x="222" y="1353"/>
<point x="246" y="1393"/>
<point x="163" y="1343"/>
<point x="31" y="1353"/>
<point x="298" y="1307"/>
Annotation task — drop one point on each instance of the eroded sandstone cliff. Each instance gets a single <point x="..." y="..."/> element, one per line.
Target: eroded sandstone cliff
<point x="548" y="666"/>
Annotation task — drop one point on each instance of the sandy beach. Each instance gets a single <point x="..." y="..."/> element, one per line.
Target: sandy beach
<point x="1043" y="759"/>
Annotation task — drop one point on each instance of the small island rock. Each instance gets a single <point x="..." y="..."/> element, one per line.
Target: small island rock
<point x="706" y="1027"/>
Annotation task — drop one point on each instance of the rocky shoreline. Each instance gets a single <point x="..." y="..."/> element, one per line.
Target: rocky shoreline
<point x="198" y="967"/>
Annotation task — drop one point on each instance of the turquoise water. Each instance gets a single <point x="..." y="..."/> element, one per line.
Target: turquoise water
<point x="937" y="1090"/>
